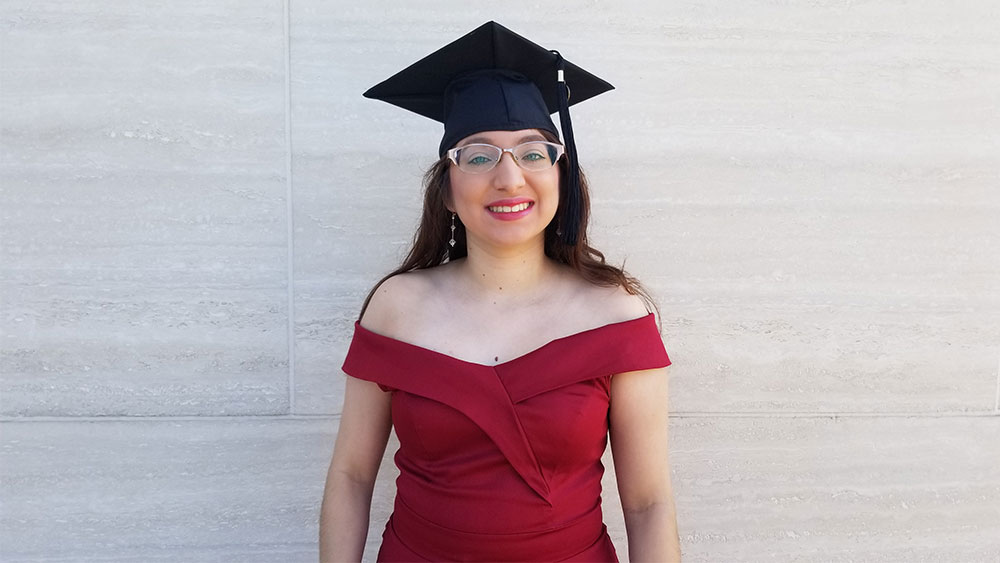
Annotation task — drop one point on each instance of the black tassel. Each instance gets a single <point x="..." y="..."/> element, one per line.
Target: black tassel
<point x="569" y="223"/>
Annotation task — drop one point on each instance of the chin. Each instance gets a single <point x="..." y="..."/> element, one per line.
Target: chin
<point x="512" y="240"/>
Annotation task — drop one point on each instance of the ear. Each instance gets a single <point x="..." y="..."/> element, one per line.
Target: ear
<point x="449" y="203"/>
<point x="446" y="196"/>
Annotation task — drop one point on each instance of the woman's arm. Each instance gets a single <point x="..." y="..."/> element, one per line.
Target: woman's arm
<point x="638" y="423"/>
<point x="364" y="430"/>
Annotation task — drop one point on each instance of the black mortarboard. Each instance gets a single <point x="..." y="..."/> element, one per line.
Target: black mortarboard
<point x="492" y="79"/>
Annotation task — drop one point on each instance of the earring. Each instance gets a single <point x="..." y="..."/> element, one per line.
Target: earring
<point x="452" y="241"/>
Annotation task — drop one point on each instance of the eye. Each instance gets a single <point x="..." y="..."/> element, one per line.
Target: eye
<point x="535" y="155"/>
<point x="478" y="156"/>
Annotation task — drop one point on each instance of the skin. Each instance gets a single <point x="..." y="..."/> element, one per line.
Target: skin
<point x="508" y="284"/>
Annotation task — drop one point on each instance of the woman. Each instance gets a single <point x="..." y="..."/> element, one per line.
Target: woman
<point x="504" y="350"/>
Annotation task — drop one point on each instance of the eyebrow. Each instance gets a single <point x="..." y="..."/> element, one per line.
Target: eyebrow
<point x="525" y="139"/>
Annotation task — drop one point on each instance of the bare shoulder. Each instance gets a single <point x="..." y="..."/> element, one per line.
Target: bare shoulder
<point x="620" y="305"/>
<point x="608" y="304"/>
<point x="395" y="302"/>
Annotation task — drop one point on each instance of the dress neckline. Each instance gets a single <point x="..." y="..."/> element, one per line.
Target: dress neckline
<point x="362" y="330"/>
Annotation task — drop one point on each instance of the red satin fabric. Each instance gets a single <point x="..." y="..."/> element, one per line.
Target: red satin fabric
<point x="502" y="463"/>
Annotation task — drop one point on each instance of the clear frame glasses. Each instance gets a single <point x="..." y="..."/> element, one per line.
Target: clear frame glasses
<point x="533" y="156"/>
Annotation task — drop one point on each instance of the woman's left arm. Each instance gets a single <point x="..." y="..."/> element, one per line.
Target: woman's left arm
<point x="638" y="422"/>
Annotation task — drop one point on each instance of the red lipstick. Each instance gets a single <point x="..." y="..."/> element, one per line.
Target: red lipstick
<point x="510" y="209"/>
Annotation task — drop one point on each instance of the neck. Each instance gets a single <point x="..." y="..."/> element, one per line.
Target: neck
<point x="508" y="272"/>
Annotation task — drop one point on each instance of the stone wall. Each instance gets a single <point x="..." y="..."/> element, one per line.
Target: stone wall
<point x="195" y="200"/>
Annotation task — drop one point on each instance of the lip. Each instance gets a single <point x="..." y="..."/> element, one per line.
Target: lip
<point x="509" y="202"/>
<point x="510" y="216"/>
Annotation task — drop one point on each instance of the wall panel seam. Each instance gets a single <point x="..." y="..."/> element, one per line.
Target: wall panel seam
<point x="169" y="418"/>
<point x="289" y="206"/>
<point x="329" y="416"/>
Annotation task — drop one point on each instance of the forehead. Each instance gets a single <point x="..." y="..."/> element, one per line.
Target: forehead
<point x="503" y="138"/>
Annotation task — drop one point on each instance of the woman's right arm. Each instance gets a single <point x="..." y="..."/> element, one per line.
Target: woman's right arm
<point x="365" y="422"/>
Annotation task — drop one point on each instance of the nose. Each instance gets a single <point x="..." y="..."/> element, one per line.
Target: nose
<point x="507" y="175"/>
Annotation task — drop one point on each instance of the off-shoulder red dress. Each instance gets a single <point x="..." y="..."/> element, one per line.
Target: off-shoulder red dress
<point x="502" y="463"/>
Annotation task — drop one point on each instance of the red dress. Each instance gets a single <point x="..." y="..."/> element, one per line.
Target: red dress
<point x="502" y="463"/>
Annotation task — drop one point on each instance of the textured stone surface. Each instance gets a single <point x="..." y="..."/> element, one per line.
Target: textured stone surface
<point x="838" y="489"/>
<point x="143" y="209"/>
<point x="357" y="169"/>
<point x="243" y="489"/>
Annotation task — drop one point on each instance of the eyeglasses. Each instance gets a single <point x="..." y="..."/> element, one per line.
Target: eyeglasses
<point x="533" y="156"/>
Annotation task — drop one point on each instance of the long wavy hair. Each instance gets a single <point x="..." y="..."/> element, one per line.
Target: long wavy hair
<point x="430" y="243"/>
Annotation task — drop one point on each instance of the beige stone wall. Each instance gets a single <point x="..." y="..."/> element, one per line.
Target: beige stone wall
<point x="194" y="200"/>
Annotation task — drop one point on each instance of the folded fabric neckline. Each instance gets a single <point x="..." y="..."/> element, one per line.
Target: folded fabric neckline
<point x="357" y="325"/>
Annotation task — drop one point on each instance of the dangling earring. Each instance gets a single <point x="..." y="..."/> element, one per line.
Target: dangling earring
<point x="452" y="241"/>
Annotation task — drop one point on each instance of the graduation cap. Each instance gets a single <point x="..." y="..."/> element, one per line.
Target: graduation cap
<point x="493" y="79"/>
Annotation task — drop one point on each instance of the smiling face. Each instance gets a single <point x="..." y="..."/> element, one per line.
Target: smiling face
<point x="506" y="206"/>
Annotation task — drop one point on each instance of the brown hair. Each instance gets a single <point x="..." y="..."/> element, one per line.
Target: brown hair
<point x="430" y="243"/>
